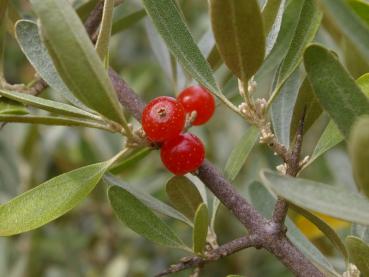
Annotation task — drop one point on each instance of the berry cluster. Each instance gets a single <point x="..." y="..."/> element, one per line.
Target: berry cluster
<point x="164" y="120"/>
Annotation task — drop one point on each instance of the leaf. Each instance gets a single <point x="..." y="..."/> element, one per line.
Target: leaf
<point x="167" y="20"/>
<point x="47" y="105"/>
<point x="68" y="42"/>
<point x="363" y="83"/>
<point x="102" y="43"/>
<point x="306" y="30"/>
<point x="264" y="202"/>
<point x="85" y="9"/>
<point x="239" y="35"/>
<point x="49" y="200"/>
<point x="336" y="90"/>
<point x="52" y="120"/>
<point x="11" y="107"/>
<point x="306" y="100"/>
<point x="130" y="160"/>
<point x="214" y="212"/>
<point x="282" y="108"/>
<point x="330" y="200"/>
<point x="184" y="195"/>
<point x="3" y="20"/>
<point x="141" y="219"/>
<point x="30" y="42"/>
<point x="349" y="23"/>
<point x="324" y="228"/>
<point x="123" y="23"/>
<point x="240" y="153"/>
<point x="359" y="152"/>
<point x="361" y="8"/>
<point x="359" y="253"/>
<point x="148" y="200"/>
<point x="200" y="228"/>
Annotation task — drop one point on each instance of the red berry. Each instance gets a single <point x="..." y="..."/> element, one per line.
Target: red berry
<point x="199" y="99"/>
<point x="182" y="154"/>
<point x="163" y="118"/>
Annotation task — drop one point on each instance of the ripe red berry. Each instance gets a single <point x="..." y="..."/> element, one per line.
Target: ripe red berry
<point x="163" y="118"/>
<point x="199" y="99"/>
<point x="182" y="154"/>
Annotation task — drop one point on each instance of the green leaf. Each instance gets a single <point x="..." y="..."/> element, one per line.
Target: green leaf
<point x="49" y="200"/>
<point x="123" y="23"/>
<point x="361" y="8"/>
<point x="214" y="212"/>
<point x="363" y="83"/>
<point x="359" y="152"/>
<point x="281" y="109"/>
<point x="324" y="228"/>
<point x="102" y="43"/>
<point x="85" y="9"/>
<point x="359" y="253"/>
<point x="264" y="202"/>
<point x="149" y="201"/>
<point x="336" y="90"/>
<point x="47" y="105"/>
<point x="349" y="23"/>
<point x="184" y="195"/>
<point x="200" y="228"/>
<point x="68" y="42"/>
<point x="11" y="107"/>
<point x="240" y="153"/>
<point x="167" y="20"/>
<point x="270" y="13"/>
<point x="306" y="30"/>
<point x="330" y="200"/>
<point x="306" y="100"/>
<point x="239" y="35"/>
<point x="52" y="120"/>
<point x="130" y="160"/>
<point x="28" y="37"/>
<point x="141" y="219"/>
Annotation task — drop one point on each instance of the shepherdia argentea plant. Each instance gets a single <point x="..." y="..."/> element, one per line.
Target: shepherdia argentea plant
<point x="284" y="72"/>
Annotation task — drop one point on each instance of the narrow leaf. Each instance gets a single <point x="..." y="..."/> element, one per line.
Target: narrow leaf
<point x="264" y="203"/>
<point x="184" y="195"/>
<point x="349" y="23"/>
<point x="336" y="90"/>
<point x="324" y="228"/>
<point x="127" y="21"/>
<point x="30" y="42"/>
<point x="239" y="35"/>
<point x="361" y="8"/>
<point x="240" y="153"/>
<point x="130" y="160"/>
<point x="141" y="219"/>
<point x="102" y="43"/>
<point x="49" y="200"/>
<point x="47" y="105"/>
<point x="330" y="200"/>
<point x="168" y="21"/>
<point x="363" y="83"/>
<point x="200" y="228"/>
<point x="85" y="9"/>
<point x="359" y="253"/>
<point x="359" y="152"/>
<point x="11" y="107"/>
<point x="148" y="200"/>
<point x="270" y="13"/>
<point x="68" y="42"/>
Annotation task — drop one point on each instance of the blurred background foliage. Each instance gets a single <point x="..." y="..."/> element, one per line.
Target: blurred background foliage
<point x="89" y="241"/>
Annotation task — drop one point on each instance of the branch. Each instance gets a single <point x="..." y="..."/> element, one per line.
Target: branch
<point x="214" y="255"/>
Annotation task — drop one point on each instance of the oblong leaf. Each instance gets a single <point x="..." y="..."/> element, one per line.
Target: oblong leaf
<point x="330" y="200"/>
<point x="336" y="90"/>
<point x="359" y="253"/>
<point x="102" y="43"/>
<point x="239" y="154"/>
<point x="141" y="219"/>
<point x="149" y="201"/>
<point x="8" y="106"/>
<point x="200" y="228"/>
<point x="49" y="200"/>
<point x="47" y="105"/>
<point x="239" y="35"/>
<point x="184" y="195"/>
<point x="359" y="152"/>
<point x="67" y="41"/>
<point x="361" y="8"/>
<point x="30" y="42"/>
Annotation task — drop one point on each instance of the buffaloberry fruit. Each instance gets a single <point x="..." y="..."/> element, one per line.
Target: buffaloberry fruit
<point x="199" y="99"/>
<point x="182" y="154"/>
<point x="163" y="118"/>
